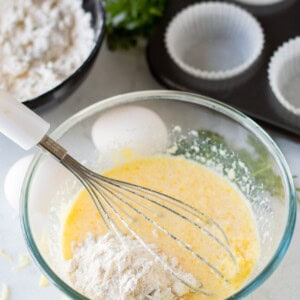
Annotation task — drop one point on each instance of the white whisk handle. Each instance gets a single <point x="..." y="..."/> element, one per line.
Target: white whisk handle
<point x="19" y="123"/>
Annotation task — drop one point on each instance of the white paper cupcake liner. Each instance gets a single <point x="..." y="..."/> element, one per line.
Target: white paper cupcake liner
<point x="259" y="2"/>
<point x="284" y="75"/>
<point x="214" y="40"/>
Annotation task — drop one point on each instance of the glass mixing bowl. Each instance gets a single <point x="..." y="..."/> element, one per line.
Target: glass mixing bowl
<point x="226" y="138"/>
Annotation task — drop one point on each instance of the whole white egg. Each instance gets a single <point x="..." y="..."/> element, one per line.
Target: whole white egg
<point x="47" y="179"/>
<point x="135" y="127"/>
<point x="14" y="180"/>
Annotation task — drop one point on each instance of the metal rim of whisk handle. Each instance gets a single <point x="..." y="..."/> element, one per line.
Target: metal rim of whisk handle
<point x="61" y="155"/>
<point x="53" y="148"/>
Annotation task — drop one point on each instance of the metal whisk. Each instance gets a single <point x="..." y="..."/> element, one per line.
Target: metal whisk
<point x="119" y="203"/>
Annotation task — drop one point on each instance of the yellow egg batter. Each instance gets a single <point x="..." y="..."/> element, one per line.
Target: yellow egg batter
<point x="201" y="188"/>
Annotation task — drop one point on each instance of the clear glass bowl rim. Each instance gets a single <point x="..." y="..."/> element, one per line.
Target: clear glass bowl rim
<point x="176" y="96"/>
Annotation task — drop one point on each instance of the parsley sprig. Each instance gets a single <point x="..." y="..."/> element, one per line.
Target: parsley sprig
<point x="258" y="161"/>
<point x="128" y="21"/>
<point x="261" y="166"/>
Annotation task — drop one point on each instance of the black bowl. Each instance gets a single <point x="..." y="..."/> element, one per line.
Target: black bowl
<point x="71" y="83"/>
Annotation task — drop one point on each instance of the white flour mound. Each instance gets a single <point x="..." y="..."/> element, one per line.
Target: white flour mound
<point x="108" y="268"/>
<point x="41" y="44"/>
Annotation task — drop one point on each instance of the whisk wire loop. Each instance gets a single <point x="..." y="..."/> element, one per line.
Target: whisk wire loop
<point x="166" y="266"/>
<point x="116" y="183"/>
<point x="174" y="201"/>
<point x="115" y="199"/>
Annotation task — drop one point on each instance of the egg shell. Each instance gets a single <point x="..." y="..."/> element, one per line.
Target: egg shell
<point x="134" y="127"/>
<point x="49" y="179"/>
<point x="49" y="176"/>
<point x="14" y="180"/>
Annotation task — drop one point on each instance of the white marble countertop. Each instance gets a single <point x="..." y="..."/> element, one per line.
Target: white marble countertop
<point x="116" y="73"/>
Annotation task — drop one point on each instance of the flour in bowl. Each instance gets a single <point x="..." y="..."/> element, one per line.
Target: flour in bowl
<point x="41" y="44"/>
<point x="107" y="268"/>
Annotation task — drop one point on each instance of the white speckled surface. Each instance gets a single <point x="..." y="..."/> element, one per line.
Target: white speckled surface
<point x="116" y="73"/>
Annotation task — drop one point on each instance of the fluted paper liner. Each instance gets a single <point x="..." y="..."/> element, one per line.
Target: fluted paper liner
<point x="259" y="2"/>
<point x="214" y="40"/>
<point x="284" y="75"/>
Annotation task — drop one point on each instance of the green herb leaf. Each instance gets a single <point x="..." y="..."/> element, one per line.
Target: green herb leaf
<point x="128" y="21"/>
<point x="261" y="166"/>
<point x="258" y="161"/>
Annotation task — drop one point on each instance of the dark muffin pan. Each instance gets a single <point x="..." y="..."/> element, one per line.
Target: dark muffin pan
<point x="249" y="92"/>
